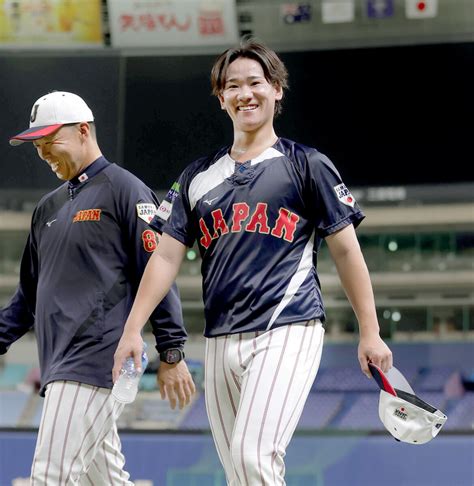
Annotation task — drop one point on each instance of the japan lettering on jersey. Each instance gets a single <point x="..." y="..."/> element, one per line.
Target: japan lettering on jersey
<point x="284" y="226"/>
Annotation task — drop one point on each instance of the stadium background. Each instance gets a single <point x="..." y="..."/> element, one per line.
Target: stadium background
<point x="390" y="100"/>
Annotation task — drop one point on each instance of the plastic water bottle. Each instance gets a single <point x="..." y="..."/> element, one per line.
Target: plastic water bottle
<point x="125" y="389"/>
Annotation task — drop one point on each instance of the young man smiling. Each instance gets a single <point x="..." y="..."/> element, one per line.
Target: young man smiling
<point x="258" y="209"/>
<point x="86" y="252"/>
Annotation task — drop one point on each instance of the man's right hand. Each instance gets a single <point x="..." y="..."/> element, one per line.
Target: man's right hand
<point x="130" y="344"/>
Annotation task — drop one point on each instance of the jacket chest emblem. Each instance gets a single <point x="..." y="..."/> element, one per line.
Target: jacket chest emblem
<point x="87" y="215"/>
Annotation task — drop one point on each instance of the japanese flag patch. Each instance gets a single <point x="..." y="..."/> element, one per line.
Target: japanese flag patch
<point x="344" y="195"/>
<point x="164" y="210"/>
<point x="146" y="211"/>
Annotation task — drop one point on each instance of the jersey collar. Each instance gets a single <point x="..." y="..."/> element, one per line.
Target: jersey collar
<point x="93" y="169"/>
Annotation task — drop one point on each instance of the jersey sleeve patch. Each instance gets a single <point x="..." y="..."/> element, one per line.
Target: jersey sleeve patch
<point x="173" y="193"/>
<point x="344" y="195"/>
<point x="164" y="210"/>
<point x="146" y="211"/>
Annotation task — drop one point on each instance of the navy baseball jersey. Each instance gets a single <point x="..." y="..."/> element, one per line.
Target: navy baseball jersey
<point x="258" y="225"/>
<point x="87" y="249"/>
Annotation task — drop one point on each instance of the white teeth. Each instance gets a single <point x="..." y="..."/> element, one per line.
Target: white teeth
<point x="247" y="108"/>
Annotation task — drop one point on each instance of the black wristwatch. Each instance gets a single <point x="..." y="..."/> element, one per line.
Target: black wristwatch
<point x="172" y="355"/>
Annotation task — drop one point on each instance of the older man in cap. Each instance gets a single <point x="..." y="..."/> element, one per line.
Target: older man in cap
<point x="87" y="249"/>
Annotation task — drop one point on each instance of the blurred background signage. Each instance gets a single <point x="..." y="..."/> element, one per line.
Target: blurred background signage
<point x="328" y="24"/>
<point x="50" y="23"/>
<point x="152" y="23"/>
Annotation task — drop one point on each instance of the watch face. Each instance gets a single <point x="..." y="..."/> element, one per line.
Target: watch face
<point x="173" y="356"/>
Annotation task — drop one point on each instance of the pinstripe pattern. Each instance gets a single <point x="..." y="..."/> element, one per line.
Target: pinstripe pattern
<point x="39" y="440"/>
<point x="66" y="434"/>
<point x="63" y="385"/>
<point x="78" y="443"/>
<point x="256" y="386"/>
<point x="219" y="404"/>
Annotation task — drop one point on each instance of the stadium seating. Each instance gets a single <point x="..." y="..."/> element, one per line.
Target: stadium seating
<point x="196" y="417"/>
<point x="320" y="409"/>
<point x="434" y="378"/>
<point x="342" y="398"/>
<point x="461" y="413"/>
<point x="343" y="378"/>
<point x="361" y="413"/>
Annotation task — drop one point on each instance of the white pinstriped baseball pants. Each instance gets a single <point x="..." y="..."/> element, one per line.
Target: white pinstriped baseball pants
<point x="78" y="443"/>
<point x="256" y="385"/>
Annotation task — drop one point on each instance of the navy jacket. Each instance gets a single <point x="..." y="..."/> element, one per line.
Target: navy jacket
<point x="87" y="249"/>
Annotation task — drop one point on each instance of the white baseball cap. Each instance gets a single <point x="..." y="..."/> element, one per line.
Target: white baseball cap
<point x="51" y="112"/>
<point x="407" y="417"/>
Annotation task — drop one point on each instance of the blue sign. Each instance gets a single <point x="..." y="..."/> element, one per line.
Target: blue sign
<point x="379" y="9"/>
<point x="295" y="13"/>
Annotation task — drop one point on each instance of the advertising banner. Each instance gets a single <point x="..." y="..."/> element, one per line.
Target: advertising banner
<point x="50" y="23"/>
<point x="170" y="23"/>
